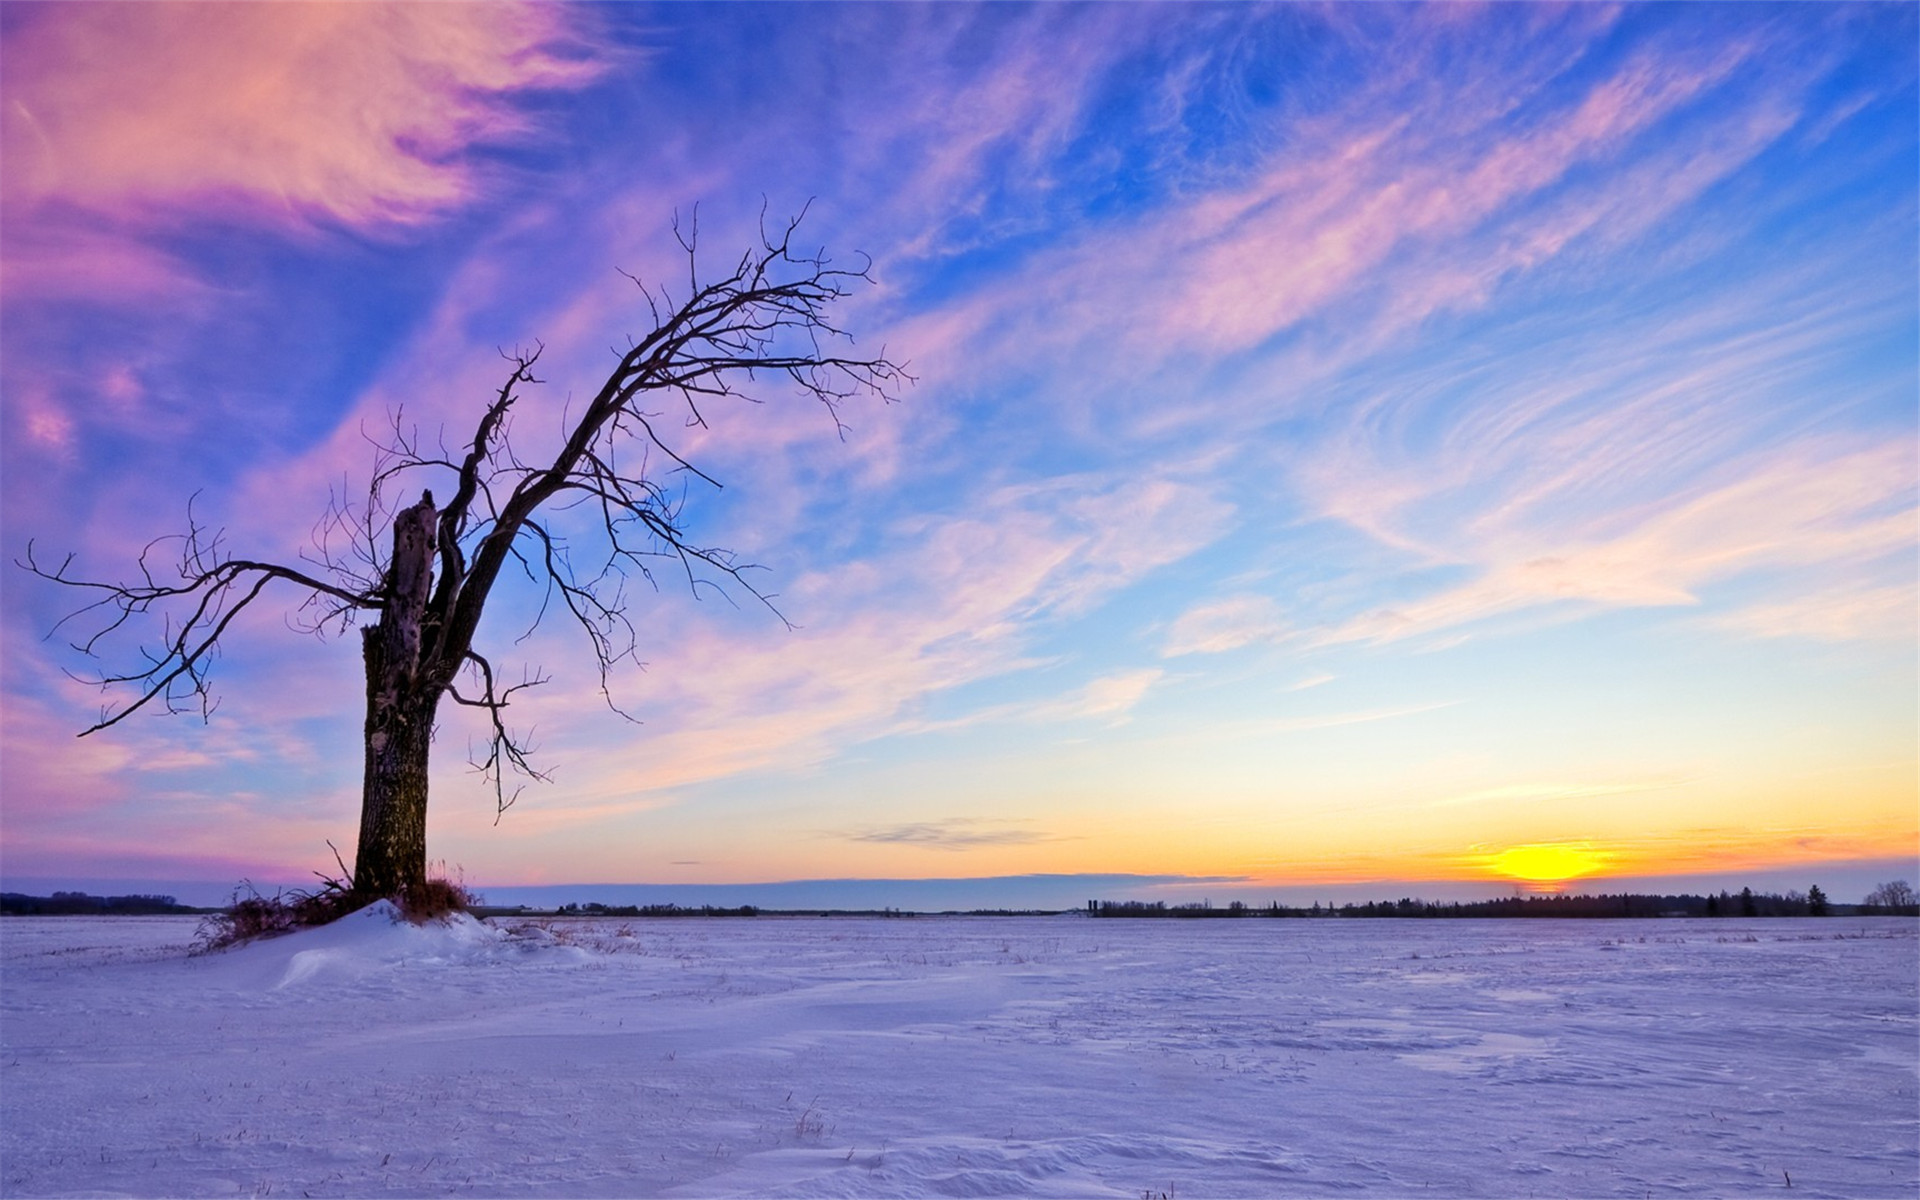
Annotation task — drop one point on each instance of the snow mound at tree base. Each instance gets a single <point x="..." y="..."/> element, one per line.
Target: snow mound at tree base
<point x="375" y="938"/>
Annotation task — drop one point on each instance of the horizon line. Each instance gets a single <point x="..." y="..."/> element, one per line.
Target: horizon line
<point x="1065" y="890"/>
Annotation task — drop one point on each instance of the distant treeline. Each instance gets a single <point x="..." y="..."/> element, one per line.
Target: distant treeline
<point x="653" y="910"/>
<point x="748" y="910"/>
<point x="66" y="904"/>
<point x="1744" y="903"/>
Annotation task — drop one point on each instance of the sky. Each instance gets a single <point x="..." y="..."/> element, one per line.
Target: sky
<point x="1355" y="448"/>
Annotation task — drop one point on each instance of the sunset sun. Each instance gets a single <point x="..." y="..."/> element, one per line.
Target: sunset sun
<point x="1546" y="866"/>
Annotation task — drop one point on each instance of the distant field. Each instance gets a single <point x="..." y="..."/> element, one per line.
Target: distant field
<point x="964" y="1057"/>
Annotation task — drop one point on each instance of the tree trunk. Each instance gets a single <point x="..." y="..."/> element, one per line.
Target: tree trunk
<point x="393" y="803"/>
<point x="401" y="700"/>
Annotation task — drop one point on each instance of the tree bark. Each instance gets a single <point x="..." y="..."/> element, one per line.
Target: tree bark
<point x="401" y="701"/>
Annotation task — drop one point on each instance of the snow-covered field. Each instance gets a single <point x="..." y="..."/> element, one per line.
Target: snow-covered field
<point x="964" y="1057"/>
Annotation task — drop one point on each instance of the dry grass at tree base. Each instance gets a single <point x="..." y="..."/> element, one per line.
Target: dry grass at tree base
<point x="255" y="916"/>
<point x="434" y="899"/>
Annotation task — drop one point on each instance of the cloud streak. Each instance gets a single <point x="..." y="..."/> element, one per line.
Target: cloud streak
<point x="356" y="113"/>
<point x="954" y="834"/>
<point x="1222" y="625"/>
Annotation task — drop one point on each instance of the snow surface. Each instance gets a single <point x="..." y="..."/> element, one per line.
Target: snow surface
<point x="963" y="1057"/>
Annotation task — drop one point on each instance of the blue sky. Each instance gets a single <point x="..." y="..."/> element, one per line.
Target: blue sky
<point x="1349" y="442"/>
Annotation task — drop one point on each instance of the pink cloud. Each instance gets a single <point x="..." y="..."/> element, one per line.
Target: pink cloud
<point x="1832" y="614"/>
<point x="1364" y="185"/>
<point x="55" y="261"/>
<point x="39" y="422"/>
<point x="276" y="112"/>
<point x="1227" y="624"/>
<point x="1844" y="509"/>
<point x="1416" y="194"/>
<point x="163" y="791"/>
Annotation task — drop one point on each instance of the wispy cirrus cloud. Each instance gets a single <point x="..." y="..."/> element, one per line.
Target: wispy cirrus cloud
<point x="883" y="636"/>
<point x="131" y="131"/>
<point x="357" y="113"/>
<point x="1844" y="509"/>
<point x="1225" y="624"/>
<point x="1884" y="612"/>
<point x="1546" y="793"/>
<point x="953" y="834"/>
<point x="1109" y="700"/>
<point x="1371" y="225"/>
<point x="982" y="137"/>
<point x="1376" y="221"/>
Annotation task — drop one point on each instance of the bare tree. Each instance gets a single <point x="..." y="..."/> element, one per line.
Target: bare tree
<point x="1897" y="897"/>
<point x="419" y="605"/>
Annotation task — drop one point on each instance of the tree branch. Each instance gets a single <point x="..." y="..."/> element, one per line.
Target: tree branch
<point x="504" y="750"/>
<point x="196" y="614"/>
